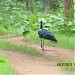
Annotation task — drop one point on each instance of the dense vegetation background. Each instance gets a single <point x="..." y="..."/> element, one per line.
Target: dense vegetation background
<point x="18" y="16"/>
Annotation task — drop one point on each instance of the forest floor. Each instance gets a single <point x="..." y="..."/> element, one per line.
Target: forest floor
<point x="26" y="65"/>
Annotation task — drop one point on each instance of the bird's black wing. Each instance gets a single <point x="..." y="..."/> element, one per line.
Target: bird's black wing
<point x="46" y="34"/>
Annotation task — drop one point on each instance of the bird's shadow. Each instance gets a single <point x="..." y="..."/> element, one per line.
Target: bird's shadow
<point x="49" y="50"/>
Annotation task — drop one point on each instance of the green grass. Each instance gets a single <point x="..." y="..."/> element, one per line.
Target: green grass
<point x="5" y="67"/>
<point x="22" y="49"/>
<point x="63" y="40"/>
<point x="7" y="30"/>
<point x="10" y="35"/>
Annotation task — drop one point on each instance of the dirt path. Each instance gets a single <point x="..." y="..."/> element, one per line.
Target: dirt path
<point x="24" y="64"/>
<point x="52" y="51"/>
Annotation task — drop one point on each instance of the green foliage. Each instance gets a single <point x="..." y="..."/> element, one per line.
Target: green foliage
<point x="7" y="30"/>
<point x="38" y="6"/>
<point x="2" y="30"/>
<point x="14" y="15"/>
<point x="5" y="67"/>
<point x="55" y="5"/>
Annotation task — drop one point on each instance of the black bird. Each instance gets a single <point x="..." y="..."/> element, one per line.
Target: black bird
<point x="45" y="34"/>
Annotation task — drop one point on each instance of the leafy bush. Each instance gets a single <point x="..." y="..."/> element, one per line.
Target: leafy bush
<point x="14" y="15"/>
<point x="2" y="30"/>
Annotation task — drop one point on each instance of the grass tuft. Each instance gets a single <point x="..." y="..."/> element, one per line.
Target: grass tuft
<point x="5" y="67"/>
<point x="23" y="49"/>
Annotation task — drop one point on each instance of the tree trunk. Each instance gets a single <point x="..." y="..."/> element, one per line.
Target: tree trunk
<point x="68" y="7"/>
<point x="29" y="5"/>
<point x="46" y="6"/>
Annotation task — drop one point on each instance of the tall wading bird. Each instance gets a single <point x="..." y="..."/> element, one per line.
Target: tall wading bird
<point x="45" y="34"/>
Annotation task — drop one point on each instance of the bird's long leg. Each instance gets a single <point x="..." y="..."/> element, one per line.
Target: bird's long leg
<point x="41" y="43"/>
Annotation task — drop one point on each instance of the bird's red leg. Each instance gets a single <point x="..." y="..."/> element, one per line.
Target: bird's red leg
<point x="41" y="43"/>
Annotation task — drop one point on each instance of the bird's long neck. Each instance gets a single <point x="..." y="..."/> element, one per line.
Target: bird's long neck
<point x="41" y="25"/>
